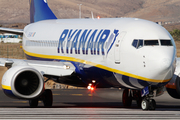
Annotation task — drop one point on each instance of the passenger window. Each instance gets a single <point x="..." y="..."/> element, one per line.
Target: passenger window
<point x="135" y="42"/>
<point x="151" y="42"/>
<point x="140" y="44"/>
<point x="166" y="43"/>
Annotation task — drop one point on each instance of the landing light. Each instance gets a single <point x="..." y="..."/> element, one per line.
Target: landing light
<point x="98" y="17"/>
<point x="90" y="88"/>
<point x="93" y="81"/>
<point x="66" y="67"/>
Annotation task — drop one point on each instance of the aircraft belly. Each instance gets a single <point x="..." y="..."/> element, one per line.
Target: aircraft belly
<point x="104" y="78"/>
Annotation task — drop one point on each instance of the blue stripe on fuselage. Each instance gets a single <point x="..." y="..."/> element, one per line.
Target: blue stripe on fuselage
<point x="104" y="78"/>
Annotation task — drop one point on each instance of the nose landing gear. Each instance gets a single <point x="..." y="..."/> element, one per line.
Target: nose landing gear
<point x="146" y="102"/>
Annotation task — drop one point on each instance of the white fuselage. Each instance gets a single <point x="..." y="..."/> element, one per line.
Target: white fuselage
<point x="108" y="44"/>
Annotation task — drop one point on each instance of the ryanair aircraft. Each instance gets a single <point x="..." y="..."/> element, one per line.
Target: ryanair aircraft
<point x="134" y="54"/>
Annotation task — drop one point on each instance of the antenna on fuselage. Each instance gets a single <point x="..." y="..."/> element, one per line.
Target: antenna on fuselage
<point x="92" y="15"/>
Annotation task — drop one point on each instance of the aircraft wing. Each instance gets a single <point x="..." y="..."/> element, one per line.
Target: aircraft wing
<point x="51" y="68"/>
<point x="13" y="31"/>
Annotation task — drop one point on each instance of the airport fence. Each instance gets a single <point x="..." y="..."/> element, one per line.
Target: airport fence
<point x="60" y="86"/>
<point x="53" y="85"/>
<point x="11" y="50"/>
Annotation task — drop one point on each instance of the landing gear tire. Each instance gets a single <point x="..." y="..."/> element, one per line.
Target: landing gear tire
<point x="148" y="104"/>
<point x="152" y="105"/>
<point x="48" y="98"/>
<point x="145" y="104"/>
<point x="127" y="98"/>
<point x="138" y="99"/>
<point x="33" y="103"/>
<point x="139" y="103"/>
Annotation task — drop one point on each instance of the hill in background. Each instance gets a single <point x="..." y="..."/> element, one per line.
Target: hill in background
<point x="17" y="11"/>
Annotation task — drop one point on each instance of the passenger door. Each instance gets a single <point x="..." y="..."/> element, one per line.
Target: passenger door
<point x="117" y="47"/>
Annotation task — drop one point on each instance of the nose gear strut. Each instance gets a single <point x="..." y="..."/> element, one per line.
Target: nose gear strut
<point x="143" y="98"/>
<point x="147" y="102"/>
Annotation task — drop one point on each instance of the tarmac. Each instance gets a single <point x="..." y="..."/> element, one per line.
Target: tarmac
<point x="83" y="104"/>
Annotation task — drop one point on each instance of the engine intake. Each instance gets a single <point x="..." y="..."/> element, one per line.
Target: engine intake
<point x="25" y="82"/>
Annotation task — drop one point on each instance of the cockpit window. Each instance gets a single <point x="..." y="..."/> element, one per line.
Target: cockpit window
<point x="151" y="42"/>
<point x="166" y="43"/>
<point x="135" y="42"/>
<point x="140" y="44"/>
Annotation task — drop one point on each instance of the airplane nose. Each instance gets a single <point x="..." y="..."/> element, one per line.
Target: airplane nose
<point x="166" y="68"/>
<point x="165" y="59"/>
<point x="166" y="63"/>
<point x="161" y="63"/>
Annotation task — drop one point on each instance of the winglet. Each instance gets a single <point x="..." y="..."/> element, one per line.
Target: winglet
<point x="39" y="10"/>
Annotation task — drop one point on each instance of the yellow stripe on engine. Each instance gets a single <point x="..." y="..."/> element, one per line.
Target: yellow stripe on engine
<point x="94" y="64"/>
<point x="6" y="87"/>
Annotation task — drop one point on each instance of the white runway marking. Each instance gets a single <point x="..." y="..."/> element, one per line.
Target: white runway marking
<point x="86" y="113"/>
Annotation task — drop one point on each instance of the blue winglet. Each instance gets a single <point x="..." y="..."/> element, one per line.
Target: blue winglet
<point x="39" y="10"/>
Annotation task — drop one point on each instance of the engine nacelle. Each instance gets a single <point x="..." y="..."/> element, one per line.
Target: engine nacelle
<point x="173" y="87"/>
<point x="23" y="82"/>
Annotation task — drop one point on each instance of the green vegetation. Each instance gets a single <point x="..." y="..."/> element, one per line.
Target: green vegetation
<point x="175" y="34"/>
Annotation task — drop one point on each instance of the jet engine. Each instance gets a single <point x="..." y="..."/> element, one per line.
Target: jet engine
<point x="173" y="87"/>
<point x="23" y="82"/>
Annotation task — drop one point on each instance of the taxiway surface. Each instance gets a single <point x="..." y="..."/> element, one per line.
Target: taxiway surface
<point x="83" y="104"/>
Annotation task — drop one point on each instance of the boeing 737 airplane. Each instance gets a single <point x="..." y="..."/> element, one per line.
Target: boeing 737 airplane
<point x="130" y="53"/>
